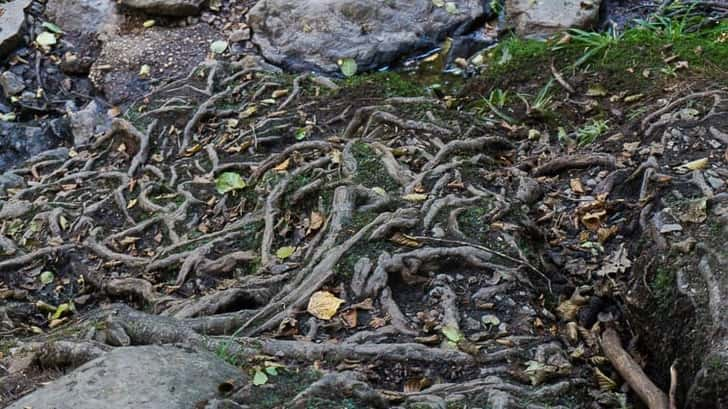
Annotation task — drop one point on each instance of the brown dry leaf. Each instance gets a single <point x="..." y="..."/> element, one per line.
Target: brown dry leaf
<point x="593" y="220"/>
<point x="317" y="220"/>
<point x="377" y="322"/>
<point x="618" y="262"/>
<point x="413" y="385"/>
<point x="576" y="186"/>
<point x="567" y="310"/>
<point x="323" y="305"/>
<point x="605" y="383"/>
<point x="349" y="317"/>
<point x="404" y="240"/>
<point x="605" y="233"/>
<point x="283" y="165"/>
<point x="367" y="305"/>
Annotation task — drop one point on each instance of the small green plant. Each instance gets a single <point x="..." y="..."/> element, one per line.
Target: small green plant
<point x="674" y="28"/>
<point x="498" y="97"/>
<point x="594" y="43"/>
<point x="541" y="102"/>
<point x="589" y="133"/>
<point x="495" y="102"/>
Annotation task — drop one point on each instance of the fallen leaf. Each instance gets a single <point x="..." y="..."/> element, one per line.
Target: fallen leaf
<point x="228" y="181"/>
<point x="283" y="165"/>
<point x="52" y="27"/>
<point x="46" y="39"/>
<point x="617" y="262"/>
<point x="576" y="186"/>
<point x="415" y="197"/>
<point x="47" y="277"/>
<point x="404" y="240"/>
<point x="145" y="70"/>
<point x="323" y="305"/>
<point x="696" y="164"/>
<point x="285" y="252"/>
<point x="605" y="383"/>
<point x="350" y="318"/>
<point x="452" y="334"/>
<point x="259" y="378"/>
<point x="596" y="90"/>
<point x="348" y="67"/>
<point x="149" y="23"/>
<point x="317" y="220"/>
<point x="219" y="46"/>
<point x="279" y="93"/>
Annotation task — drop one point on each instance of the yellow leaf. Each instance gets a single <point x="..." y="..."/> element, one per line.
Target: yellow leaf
<point x="696" y="164"/>
<point x="283" y="165"/>
<point x="323" y="305"/>
<point x="131" y="203"/>
<point x="404" y="240"/>
<point x="415" y="197"/>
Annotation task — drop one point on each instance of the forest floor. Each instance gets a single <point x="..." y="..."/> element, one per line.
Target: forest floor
<point x="498" y="241"/>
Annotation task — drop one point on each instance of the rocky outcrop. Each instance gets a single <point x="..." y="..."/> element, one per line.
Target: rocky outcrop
<point x="315" y="34"/>
<point x="82" y="15"/>
<point x="166" y="7"/>
<point x="142" y="377"/>
<point x="12" y="16"/>
<point x="539" y="18"/>
<point x="19" y="141"/>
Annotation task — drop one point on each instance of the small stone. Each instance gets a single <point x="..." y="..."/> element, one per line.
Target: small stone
<point x="11" y="84"/>
<point x="716" y="183"/>
<point x="27" y="96"/>
<point x="670" y="228"/>
<point x="240" y="35"/>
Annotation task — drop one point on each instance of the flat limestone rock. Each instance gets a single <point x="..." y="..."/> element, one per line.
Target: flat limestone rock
<point x="315" y="34"/>
<point x="540" y="18"/>
<point x="12" y="16"/>
<point x="82" y="15"/>
<point x="140" y="377"/>
<point x="166" y="7"/>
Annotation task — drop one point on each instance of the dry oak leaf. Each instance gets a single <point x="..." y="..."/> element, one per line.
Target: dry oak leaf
<point x="323" y="305"/>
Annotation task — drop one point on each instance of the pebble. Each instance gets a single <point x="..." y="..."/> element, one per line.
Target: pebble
<point x="11" y="84"/>
<point x="240" y="35"/>
<point x="716" y="183"/>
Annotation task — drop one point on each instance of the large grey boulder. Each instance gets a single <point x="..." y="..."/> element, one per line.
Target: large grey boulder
<point x="540" y="18"/>
<point x="12" y="16"/>
<point x="82" y="15"/>
<point x="315" y="34"/>
<point x="166" y="7"/>
<point x="141" y="377"/>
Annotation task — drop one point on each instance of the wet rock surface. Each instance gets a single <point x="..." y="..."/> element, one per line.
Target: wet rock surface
<point x="316" y="34"/>
<point x="143" y="377"/>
